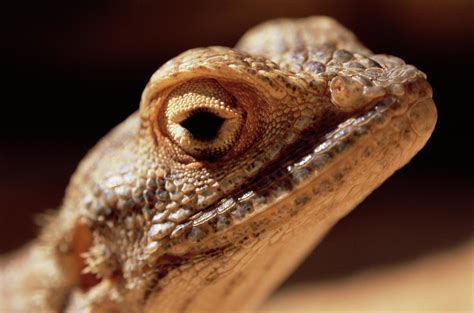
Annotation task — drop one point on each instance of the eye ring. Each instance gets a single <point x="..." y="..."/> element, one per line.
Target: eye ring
<point x="202" y="118"/>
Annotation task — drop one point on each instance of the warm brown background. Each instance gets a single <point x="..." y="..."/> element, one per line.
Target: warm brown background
<point x="71" y="71"/>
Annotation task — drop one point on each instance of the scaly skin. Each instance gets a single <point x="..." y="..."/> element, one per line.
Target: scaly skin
<point x="236" y="165"/>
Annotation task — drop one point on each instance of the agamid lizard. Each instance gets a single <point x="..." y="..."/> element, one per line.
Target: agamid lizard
<point x="235" y="166"/>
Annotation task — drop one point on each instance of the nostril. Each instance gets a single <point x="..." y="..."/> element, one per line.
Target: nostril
<point x="203" y="125"/>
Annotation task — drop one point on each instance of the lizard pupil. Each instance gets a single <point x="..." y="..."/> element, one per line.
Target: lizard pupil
<point x="203" y="126"/>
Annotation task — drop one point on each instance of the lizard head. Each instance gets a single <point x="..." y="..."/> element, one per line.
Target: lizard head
<point x="234" y="156"/>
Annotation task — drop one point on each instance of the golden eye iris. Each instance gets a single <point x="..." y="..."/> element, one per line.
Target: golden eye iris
<point x="202" y="118"/>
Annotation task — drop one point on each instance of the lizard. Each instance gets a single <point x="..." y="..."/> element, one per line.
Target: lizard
<point x="237" y="163"/>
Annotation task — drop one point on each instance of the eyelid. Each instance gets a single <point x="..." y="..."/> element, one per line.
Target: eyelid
<point x="215" y="137"/>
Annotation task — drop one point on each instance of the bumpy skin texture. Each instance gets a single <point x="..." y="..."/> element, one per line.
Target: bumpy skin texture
<point x="236" y="165"/>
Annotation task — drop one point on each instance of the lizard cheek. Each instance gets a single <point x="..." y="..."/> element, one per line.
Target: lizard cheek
<point x="202" y="118"/>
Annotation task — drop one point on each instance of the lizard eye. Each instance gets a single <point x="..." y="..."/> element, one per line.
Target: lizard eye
<point x="202" y="118"/>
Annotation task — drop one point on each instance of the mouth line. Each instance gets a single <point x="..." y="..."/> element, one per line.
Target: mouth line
<point x="290" y="173"/>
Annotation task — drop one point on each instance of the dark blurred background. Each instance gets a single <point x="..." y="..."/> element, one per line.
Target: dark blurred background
<point x="71" y="70"/>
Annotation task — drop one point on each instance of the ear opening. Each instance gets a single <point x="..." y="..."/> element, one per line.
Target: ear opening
<point x="81" y="242"/>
